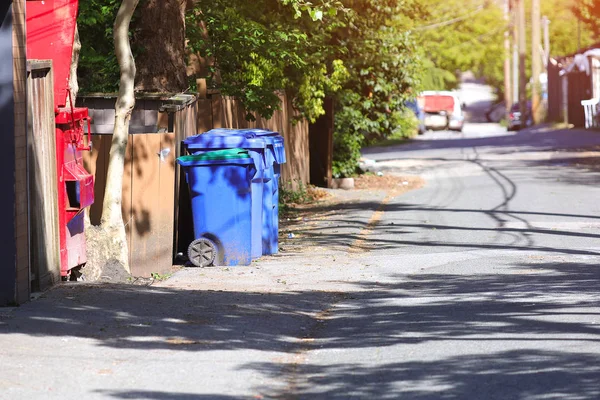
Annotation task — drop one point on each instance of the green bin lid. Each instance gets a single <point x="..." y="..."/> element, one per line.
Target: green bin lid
<point x="227" y="154"/>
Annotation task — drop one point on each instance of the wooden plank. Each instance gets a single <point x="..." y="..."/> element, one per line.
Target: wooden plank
<point x="297" y="168"/>
<point x="96" y="162"/>
<point x="226" y="106"/>
<point x="127" y="194"/>
<point x="145" y="191"/>
<point x="165" y="213"/>
<point x="240" y="115"/>
<point x="217" y="111"/>
<point x="192" y="119"/>
<point x="44" y="234"/>
<point x="180" y="239"/>
<point x="205" y="116"/>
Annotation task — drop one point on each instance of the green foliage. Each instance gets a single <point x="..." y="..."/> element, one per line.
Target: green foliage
<point x="588" y="12"/>
<point x="259" y="48"/>
<point x="458" y="35"/>
<point x="348" y="134"/>
<point x="567" y="34"/>
<point x="408" y="125"/>
<point x="159" y="277"/>
<point x="300" y="195"/>
<point x="98" y="70"/>
<point x="357" y="51"/>
<point x="382" y="61"/>
<point x="435" y="78"/>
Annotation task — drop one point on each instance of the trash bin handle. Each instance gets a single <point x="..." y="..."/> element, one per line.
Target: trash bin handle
<point x="258" y="159"/>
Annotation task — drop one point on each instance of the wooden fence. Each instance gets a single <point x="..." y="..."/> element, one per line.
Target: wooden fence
<point x="216" y="111"/>
<point x="155" y="206"/>
<point x="148" y="193"/>
<point x="151" y="181"/>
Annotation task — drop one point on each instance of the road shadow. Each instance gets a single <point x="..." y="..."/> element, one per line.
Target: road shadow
<point x="143" y="318"/>
<point x="530" y="331"/>
<point x="158" y="395"/>
<point x="477" y="112"/>
<point x="544" y="315"/>
<point x="117" y="316"/>
<point x="524" y="140"/>
<point x="522" y="374"/>
<point x="346" y="227"/>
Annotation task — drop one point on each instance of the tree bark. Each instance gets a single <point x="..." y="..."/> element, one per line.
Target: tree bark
<point x="112" y="219"/>
<point x="160" y="34"/>
<point x="73" y="84"/>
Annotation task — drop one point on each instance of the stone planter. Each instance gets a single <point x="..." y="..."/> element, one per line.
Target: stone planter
<point x="342" y="183"/>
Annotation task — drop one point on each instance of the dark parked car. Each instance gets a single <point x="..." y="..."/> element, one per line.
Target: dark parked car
<point x="514" y="118"/>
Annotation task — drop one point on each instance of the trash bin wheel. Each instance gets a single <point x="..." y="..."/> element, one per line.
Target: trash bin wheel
<point x="202" y="252"/>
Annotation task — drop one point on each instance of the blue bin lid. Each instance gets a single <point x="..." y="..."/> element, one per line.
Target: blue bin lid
<point x="273" y="140"/>
<point x="262" y="132"/>
<point x="221" y="140"/>
<point x="229" y="131"/>
<point x="248" y="132"/>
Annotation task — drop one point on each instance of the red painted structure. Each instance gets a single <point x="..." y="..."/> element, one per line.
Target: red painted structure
<point x="434" y="103"/>
<point x="50" y="36"/>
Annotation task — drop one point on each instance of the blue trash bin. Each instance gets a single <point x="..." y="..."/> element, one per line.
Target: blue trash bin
<point x="220" y="185"/>
<point x="222" y="139"/>
<point x="274" y="157"/>
<point x="266" y="199"/>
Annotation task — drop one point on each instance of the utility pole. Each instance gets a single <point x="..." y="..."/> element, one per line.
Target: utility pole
<point x="507" y="80"/>
<point x="522" y="52"/>
<point x="578" y="35"/>
<point x="515" y="58"/>
<point x="546" y="33"/>
<point x="546" y="28"/>
<point x="515" y="96"/>
<point x="536" y="67"/>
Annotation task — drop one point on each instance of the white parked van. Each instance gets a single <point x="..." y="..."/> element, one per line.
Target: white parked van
<point x="442" y="110"/>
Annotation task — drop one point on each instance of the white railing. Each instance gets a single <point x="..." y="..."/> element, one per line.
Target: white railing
<point x="590" y="107"/>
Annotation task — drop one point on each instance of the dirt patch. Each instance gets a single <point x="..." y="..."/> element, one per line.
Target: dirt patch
<point x="297" y="221"/>
<point x="395" y="185"/>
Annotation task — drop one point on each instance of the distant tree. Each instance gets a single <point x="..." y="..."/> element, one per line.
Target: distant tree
<point x="381" y="57"/>
<point x="459" y="35"/>
<point x="588" y="12"/>
<point x="253" y="49"/>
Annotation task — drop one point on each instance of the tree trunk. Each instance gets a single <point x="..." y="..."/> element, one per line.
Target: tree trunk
<point x="73" y="84"/>
<point x="113" y="245"/>
<point x="160" y="33"/>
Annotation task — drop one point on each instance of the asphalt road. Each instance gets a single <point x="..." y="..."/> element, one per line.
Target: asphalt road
<point x="487" y="280"/>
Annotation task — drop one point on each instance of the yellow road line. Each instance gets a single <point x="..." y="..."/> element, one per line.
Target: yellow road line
<point x="360" y="243"/>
